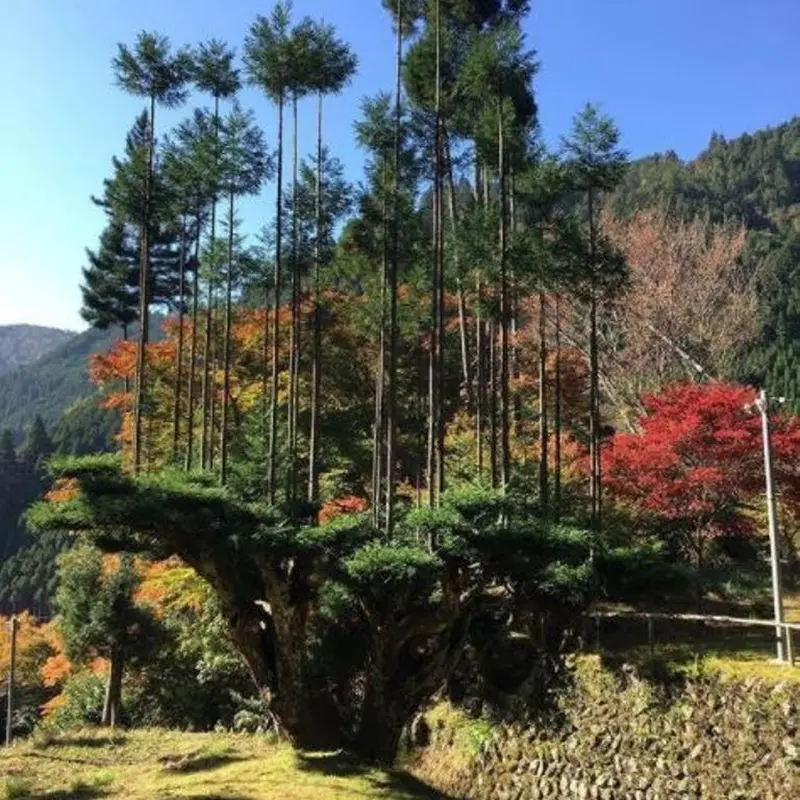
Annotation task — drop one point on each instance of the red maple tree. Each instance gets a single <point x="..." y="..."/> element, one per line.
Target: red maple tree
<point x="697" y="461"/>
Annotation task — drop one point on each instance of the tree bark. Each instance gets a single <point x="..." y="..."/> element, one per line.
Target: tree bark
<point x="178" y="385"/>
<point x="466" y="371"/>
<point x="544" y="488"/>
<point x="492" y="342"/>
<point x="144" y="299"/>
<point x="594" y="369"/>
<point x="112" y="705"/>
<point x="294" y="330"/>
<point x="432" y="382"/>
<point x="226" y="356"/>
<point x="193" y="351"/>
<point x="557" y="412"/>
<point x="391" y="411"/>
<point x="480" y="389"/>
<point x="273" y="401"/>
<point x="439" y="288"/>
<point x="380" y="372"/>
<point x="316" y="358"/>
<point x="505" y="447"/>
<point x="206" y="432"/>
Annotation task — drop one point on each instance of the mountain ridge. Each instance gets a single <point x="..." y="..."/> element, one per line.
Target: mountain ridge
<point x="22" y="344"/>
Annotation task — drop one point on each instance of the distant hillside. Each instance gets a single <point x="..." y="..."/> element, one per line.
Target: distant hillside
<point x="753" y="179"/>
<point x="52" y="384"/>
<point x="24" y="344"/>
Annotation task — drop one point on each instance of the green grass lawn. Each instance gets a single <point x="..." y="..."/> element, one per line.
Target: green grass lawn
<point x="164" y="764"/>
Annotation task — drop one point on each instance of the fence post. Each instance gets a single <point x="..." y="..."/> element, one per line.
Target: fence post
<point x="651" y="638"/>
<point x="789" y="645"/>
<point x="13" y="625"/>
<point x="597" y="632"/>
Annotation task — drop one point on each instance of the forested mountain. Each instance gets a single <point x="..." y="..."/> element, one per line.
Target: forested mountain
<point x="54" y="383"/>
<point x="24" y="344"/>
<point x="754" y="180"/>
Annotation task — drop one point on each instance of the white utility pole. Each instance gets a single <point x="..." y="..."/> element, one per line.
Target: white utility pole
<point x="777" y="591"/>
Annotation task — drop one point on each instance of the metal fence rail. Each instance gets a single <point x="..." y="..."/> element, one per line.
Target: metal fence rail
<point x="783" y="629"/>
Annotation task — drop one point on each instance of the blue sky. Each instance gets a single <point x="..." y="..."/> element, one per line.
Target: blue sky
<point x="669" y="73"/>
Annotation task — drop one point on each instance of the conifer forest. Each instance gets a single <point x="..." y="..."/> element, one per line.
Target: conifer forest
<point x="392" y="448"/>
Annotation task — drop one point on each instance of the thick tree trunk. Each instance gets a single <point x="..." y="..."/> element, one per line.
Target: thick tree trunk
<point x="178" y="385"/>
<point x="544" y="492"/>
<point x="112" y="705"/>
<point x="276" y="301"/>
<point x="193" y="352"/>
<point x="226" y="356"/>
<point x="316" y="357"/>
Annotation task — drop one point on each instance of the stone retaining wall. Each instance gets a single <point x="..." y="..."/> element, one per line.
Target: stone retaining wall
<point x="619" y="736"/>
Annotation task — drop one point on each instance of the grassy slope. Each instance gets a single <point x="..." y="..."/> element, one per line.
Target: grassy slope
<point x="142" y="765"/>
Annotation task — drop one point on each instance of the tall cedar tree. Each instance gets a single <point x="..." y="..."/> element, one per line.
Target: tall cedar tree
<point x="267" y="58"/>
<point x="333" y="65"/>
<point x="598" y="164"/>
<point x="216" y="75"/>
<point x="149" y="70"/>
<point x="190" y="165"/>
<point x="245" y="166"/>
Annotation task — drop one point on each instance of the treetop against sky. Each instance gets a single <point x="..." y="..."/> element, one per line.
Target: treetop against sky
<point x="669" y="78"/>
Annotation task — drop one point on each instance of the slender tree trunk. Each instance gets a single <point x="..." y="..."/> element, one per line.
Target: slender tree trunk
<point x="212" y="426"/>
<point x="178" y="386"/>
<point x="112" y="705"/>
<point x="273" y="401"/>
<point x="127" y="381"/>
<point x="492" y="342"/>
<point x="505" y="447"/>
<point x="557" y="418"/>
<point x="391" y="410"/>
<point x="206" y="433"/>
<point x="516" y="402"/>
<point x="480" y="389"/>
<point x="144" y="298"/>
<point x="432" y="363"/>
<point x="316" y="366"/>
<point x="544" y="489"/>
<point x="380" y="373"/>
<point x="294" y="331"/>
<point x="594" y="400"/>
<point x="193" y="350"/>
<point x="205" y="400"/>
<point x="440" y="371"/>
<point x="466" y="371"/>
<point x="226" y="356"/>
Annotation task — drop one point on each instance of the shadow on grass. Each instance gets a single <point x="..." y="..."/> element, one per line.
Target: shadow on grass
<point x="398" y="784"/>
<point x="112" y="740"/>
<point x="200" y="762"/>
<point x="77" y="792"/>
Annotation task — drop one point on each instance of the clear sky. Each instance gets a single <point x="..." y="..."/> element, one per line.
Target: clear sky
<point x="670" y="73"/>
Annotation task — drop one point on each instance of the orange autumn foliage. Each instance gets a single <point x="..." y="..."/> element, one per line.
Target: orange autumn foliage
<point x="341" y="506"/>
